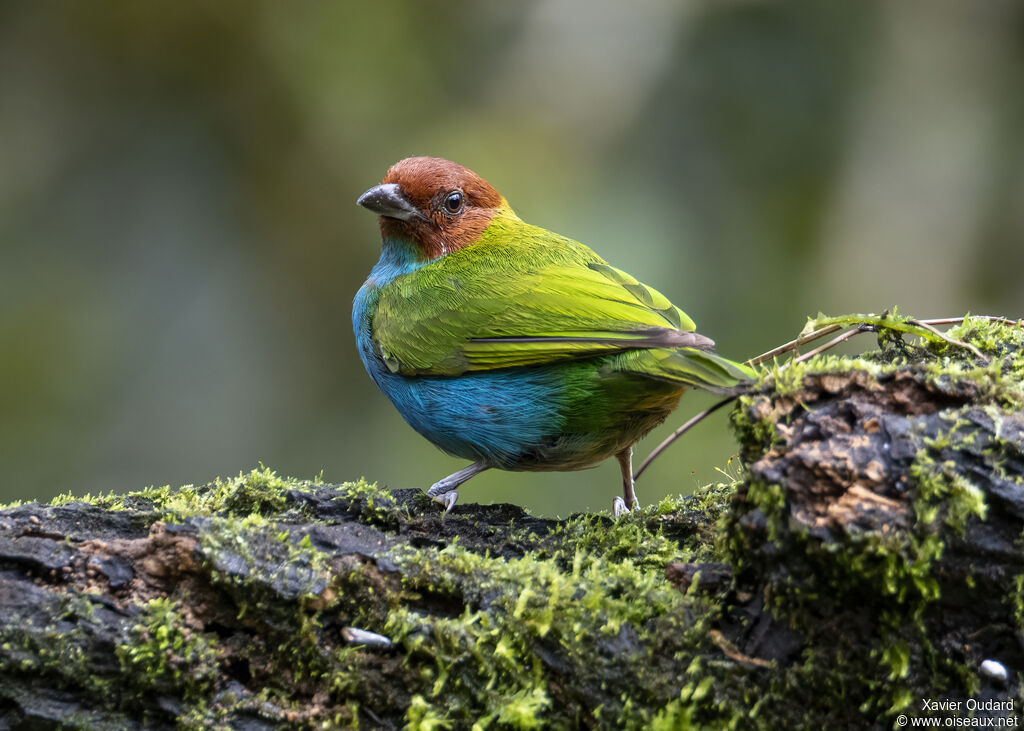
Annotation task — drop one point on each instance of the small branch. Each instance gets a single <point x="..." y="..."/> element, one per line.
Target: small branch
<point x="831" y="344"/>
<point x="958" y="320"/>
<point x="732" y="653"/>
<point x="679" y="432"/>
<point x="952" y="341"/>
<point x="794" y="344"/>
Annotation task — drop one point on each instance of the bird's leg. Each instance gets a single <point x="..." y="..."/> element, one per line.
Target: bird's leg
<point x="445" y="492"/>
<point x="620" y="505"/>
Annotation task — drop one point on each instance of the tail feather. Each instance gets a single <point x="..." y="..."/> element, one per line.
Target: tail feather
<point x="690" y="366"/>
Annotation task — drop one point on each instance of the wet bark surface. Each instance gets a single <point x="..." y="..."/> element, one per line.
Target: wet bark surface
<point x="868" y="558"/>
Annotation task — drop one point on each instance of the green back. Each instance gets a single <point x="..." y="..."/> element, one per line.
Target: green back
<point x="524" y="296"/>
<point x="517" y="281"/>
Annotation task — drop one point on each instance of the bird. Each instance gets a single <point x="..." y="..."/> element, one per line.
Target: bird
<point x="511" y="346"/>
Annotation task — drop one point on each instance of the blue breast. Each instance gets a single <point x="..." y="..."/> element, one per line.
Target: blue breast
<point x="503" y="417"/>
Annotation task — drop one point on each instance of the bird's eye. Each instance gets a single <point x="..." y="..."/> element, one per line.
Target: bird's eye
<point x="454" y="202"/>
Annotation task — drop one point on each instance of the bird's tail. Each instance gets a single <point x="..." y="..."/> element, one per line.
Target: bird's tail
<point x="691" y="367"/>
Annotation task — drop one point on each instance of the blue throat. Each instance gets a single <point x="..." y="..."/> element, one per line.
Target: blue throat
<point x="397" y="257"/>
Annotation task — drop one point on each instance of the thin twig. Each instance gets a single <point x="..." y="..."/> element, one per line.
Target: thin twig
<point x="732" y="653"/>
<point x="680" y="431"/>
<point x="958" y="320"/>
<point x="951" y="341"/>
<point x="830" y="344"/>
<point x="794" y="344"/>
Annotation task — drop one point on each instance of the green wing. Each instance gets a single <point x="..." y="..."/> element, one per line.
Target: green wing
<point x="709" y="371"/>
<point x="520" y="297"/>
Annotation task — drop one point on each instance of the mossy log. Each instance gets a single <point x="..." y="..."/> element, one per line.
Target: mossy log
<point x="865" y="563"/>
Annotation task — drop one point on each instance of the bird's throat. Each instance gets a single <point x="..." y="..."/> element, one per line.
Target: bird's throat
<point x="397" y="256"/>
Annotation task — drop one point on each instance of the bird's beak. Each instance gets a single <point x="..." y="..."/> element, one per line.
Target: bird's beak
<point x="386" y="199"/>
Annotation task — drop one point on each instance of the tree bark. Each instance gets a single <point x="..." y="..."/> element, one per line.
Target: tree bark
<point x="866" y="564"/>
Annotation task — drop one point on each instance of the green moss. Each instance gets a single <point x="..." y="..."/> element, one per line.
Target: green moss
<point x="422" y="716"/>
<point x="109" y="501"/>
<point x="482" y="663"/>
<point x="1016" y="601"/>
<point x="944" y="494"/>
<point x="53" y="649"/>
<point x="261" y="566"/>
<point x="636" y="537"/>
<point x="371" y="503"/>
<point x="260" y="491"/>
<point x="166" y="656"/>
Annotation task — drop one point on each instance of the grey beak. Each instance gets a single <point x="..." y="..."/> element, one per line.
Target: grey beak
<point x="386" y="199"/>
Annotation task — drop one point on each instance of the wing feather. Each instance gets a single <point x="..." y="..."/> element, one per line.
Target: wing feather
<point x="536" y="298"/>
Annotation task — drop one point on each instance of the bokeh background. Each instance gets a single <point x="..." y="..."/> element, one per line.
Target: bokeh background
<point x="179" y="244"/>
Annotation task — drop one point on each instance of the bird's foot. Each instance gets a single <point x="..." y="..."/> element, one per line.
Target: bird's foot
<point x="447" y="499"/>
<point x="444" y="492"/>
<point x="619" y="507"/>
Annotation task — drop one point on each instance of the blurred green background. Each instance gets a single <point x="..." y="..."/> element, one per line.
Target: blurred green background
<point x="179" y="244"/>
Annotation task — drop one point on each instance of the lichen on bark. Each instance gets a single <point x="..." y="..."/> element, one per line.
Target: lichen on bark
<point x="867" y="557"/>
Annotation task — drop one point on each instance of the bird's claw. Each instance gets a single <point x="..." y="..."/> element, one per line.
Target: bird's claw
<point x="619" y="507"/>
<point x="448" y="499"/>
<point x="445" y="492"/>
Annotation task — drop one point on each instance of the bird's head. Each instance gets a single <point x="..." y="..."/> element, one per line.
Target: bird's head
<point x="436" y="204"/>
